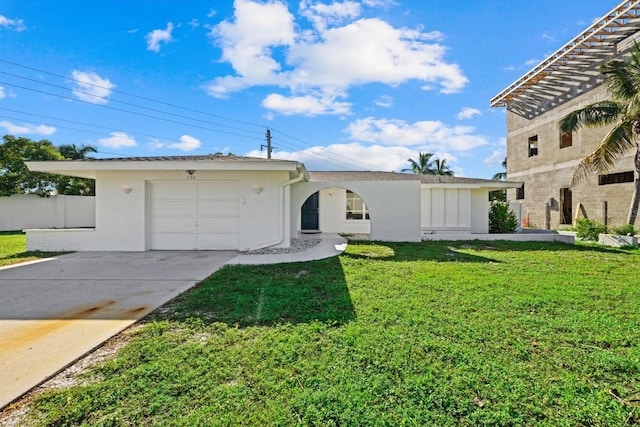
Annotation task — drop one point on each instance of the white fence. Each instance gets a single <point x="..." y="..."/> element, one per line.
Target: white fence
<point x="23" y="211"/>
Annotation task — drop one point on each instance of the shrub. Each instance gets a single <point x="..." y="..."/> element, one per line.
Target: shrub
<point x="587" y="229"/>
<point x="501" y="218"/>
<point x="624" y="230"/>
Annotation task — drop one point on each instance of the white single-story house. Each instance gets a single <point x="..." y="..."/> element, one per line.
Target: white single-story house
<point x="213" y="202"/>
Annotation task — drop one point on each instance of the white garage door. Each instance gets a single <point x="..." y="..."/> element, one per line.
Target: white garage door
<point x="194" y="215"/>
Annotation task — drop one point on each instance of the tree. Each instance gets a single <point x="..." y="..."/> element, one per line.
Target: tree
<point x="15" y="177"/>
<point x="70" y="185"/>
<point x="441" y="168"/>
<point x="72" y="152"/>
<point x="501" y="176"/>
<point x="499" y="195"/>
<point x="422" y="166"/>
<point x="622" y="111"/>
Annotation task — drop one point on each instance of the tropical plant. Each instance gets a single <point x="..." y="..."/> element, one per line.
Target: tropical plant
<point x="71" y="185"/>
<point x="622" y="111"/>
<point x="425" y="166"/>
<point x="501" y="176"/>
<point x="589" y="230"/>
<point x="499" y="195"/>
<point x="72" y="152"/>
<point x="502" y="219"/>
<point x="441" y="168"/>
<point x="422" y="166"/>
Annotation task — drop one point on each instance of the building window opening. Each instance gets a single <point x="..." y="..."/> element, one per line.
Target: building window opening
<point x="616" y="178"/>
<point x="566" y="211"/>
<point x="533" y="146"/>
<point x="566" y="139"/>
<point x="356" y="208"/>
<point x="520" y="193"/>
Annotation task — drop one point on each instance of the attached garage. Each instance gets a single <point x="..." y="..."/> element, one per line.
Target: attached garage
<point x="194" y="215"/>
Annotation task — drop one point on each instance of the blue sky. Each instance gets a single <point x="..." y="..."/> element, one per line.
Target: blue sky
<point x="344" y="85"/>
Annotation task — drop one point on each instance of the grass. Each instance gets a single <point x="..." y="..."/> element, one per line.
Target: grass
<point x="435" y="333"/>
<point x="13" y="249"/>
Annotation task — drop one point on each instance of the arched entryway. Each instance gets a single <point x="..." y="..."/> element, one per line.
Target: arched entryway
<point x="335" y="210"/>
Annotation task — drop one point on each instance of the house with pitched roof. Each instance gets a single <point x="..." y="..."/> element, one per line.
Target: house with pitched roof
<point x="216" y="202"/>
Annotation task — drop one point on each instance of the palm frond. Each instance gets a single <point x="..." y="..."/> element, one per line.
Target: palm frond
<point x="593" y="115"/>
<point x="621" y="83"/>
<point x="615" y="144"/>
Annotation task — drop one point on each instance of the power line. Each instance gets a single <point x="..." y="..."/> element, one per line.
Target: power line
<point x="307" y="146"/>
<point x="127" y="111"/>
<point x="122" y="102"/>
<point x="130" y="94"/>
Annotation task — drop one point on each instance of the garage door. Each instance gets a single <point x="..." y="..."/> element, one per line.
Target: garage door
<point x="194" y="215"/>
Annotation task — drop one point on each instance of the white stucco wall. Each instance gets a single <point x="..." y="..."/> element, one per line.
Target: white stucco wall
<point x="454" y="209"/>
<point x="22" y="211"/>
<point x="122" y="219"/>
<point x="394" y="206"/>
<point x="332" y="205"/>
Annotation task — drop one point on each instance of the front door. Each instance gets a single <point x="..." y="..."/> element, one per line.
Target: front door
<point x="309" y="213"/>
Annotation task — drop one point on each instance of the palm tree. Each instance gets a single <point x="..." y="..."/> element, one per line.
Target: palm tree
<point x="501" y="176"/>
<point x="422" y="166"/>
<point x="623" y="112"/>
<point x="73" y="185"/>
<point x="441" y="168"/>
<point x="72" y="152"/>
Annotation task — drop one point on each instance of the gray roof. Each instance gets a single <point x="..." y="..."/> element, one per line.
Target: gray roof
<point x="337" y="176"/>
<point x="361" y="176"/>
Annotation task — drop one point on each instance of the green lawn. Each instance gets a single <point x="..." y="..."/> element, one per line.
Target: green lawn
<point x="13" y="249"/>
<point x="442" y="334"/>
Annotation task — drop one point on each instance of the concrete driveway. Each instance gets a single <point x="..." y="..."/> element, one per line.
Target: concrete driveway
<point x="54" y="311"/>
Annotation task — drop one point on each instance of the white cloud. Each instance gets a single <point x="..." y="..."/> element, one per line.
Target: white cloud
<point x="187" y="143"/>
<point x="265" y="46"/>
<point x="90" y="87"/>
<point x="352" y="156"/>
<point x="155" y="37"/>
<point x="117" y="140"/>
<point x="212" y="13"/>
<point x="428" y="135"/>
<point x="194" y="23"/>
<point x="322" y="15"/>
<point x="384" y="101"/>
<point x="2" y="95"/>
<point x="12" y="24"/>
<point x="468" y="113"/>
<point x="307" y="105"/>
<point x="496" y="158"/>
<point x="27" y="129"/>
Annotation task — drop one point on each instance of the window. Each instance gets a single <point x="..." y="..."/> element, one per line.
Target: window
<point x="566" y="206"/>
<point x="520" y="193"/>
<point x="356" y="209"/>
<point x="533" y="146"/>
<point x="615" y="178"/>
<point x="566" y="139"/>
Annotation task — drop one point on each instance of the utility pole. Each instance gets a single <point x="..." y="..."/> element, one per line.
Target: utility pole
<point x="268" y="146"/>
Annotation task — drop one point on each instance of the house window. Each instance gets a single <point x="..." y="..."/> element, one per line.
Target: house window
<point x="533" y="146"/>
<point x="615" y="178"/>
<point x="566" y="139"/>
<point x="356" y="209"/>
<point x="520" y="193"/>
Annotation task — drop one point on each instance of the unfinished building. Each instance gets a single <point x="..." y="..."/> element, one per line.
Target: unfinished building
<point x="541" y="156"/>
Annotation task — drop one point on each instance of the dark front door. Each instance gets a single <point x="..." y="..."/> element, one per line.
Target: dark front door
<point x="309" y="213"/>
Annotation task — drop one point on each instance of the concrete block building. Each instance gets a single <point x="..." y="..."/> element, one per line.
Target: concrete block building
<point x="541" y="156"/>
